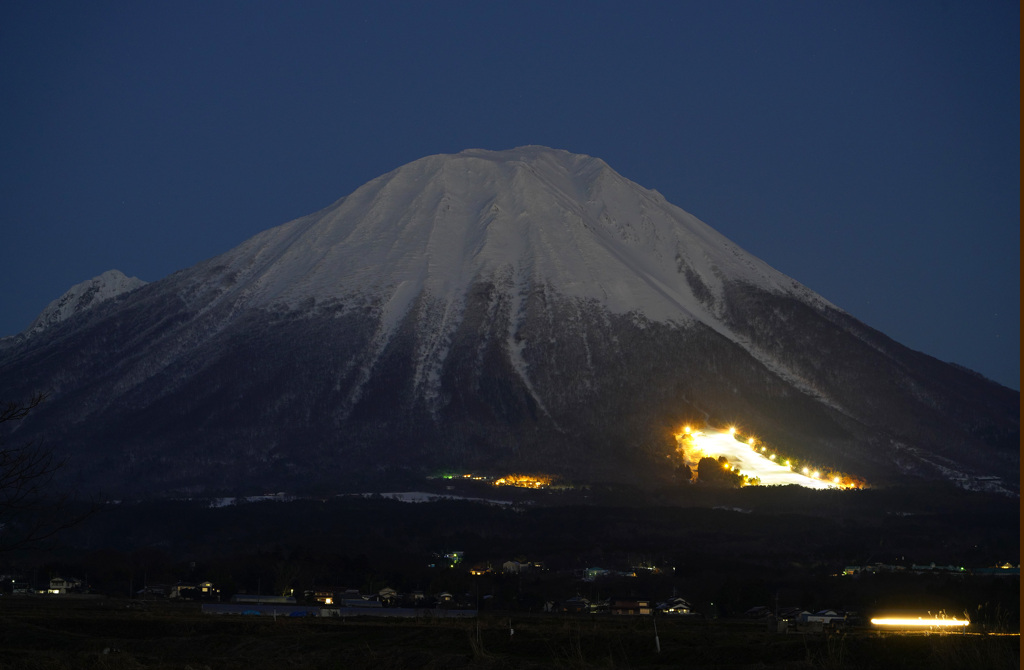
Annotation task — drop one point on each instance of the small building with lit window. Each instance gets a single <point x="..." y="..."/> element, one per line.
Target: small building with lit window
<point x="60" y="586"/>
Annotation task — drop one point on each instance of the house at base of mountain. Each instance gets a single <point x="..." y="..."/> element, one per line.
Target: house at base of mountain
<point x="60" y="586"/>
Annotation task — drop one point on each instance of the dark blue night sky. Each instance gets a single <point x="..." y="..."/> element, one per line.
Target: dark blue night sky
<point x="871" y="150"/>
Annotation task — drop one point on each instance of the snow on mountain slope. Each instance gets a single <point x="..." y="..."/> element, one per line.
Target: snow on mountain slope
<point x="83" y="296"/>
<point x="520" y="218"/>
<point x="530" y="214"/>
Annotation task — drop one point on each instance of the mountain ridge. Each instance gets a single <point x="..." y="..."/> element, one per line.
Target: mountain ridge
<point x="82" y="296"/>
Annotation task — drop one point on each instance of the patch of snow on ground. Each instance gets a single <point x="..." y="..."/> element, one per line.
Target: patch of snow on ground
<point x="422" y="497"/>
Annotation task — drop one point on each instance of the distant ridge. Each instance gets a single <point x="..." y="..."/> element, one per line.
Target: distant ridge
<point x="83" y="296"/>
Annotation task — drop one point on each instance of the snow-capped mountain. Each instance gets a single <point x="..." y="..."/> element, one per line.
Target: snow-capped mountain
<point x="83" y="296"/>
<point x="522" y="309"/>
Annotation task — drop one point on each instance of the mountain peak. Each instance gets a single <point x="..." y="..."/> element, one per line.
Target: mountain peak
<point x="82" y="297"/>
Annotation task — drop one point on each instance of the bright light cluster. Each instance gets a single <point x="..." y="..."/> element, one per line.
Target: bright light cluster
<point x="919" y="622"/>
<point x="748" y="458"/>
<point x="524" y="481"/>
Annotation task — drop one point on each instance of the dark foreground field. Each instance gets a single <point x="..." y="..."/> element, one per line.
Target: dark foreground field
<point x="107" y="633"/>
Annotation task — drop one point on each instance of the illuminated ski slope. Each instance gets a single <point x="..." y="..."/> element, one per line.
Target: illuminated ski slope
<point x="750" y="460"/>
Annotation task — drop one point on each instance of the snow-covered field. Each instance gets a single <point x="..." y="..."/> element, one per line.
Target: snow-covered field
<point x="421" y="497"/>
<point x="751" y="461"/>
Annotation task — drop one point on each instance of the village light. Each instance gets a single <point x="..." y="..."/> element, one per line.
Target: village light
<point x="772" y="457"/>
<point x="806" y="471"/>
<point x="732" y="430"/>
<point x="816" y="474"/>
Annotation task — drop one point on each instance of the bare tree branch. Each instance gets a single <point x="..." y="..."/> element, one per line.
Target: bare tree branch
<point x="13" y="411"/>
<point x="30" y="510"/>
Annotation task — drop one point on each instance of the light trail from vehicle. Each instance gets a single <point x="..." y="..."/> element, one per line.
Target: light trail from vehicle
<point x="919" y="622"/>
